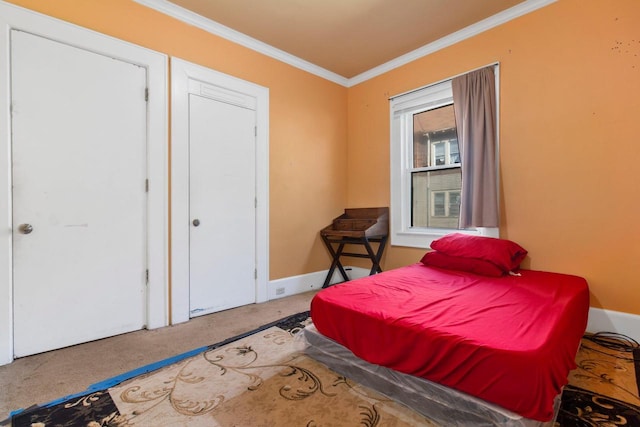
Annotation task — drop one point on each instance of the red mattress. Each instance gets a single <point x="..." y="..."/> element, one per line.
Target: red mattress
<point x="508" y="340"/>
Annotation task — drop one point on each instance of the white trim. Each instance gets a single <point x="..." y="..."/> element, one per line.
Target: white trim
<point x="601" y="320"/>
<point x="213" y="27"/>
<point x="191" y="18"/>
<point x="401" y="110"/>
<point x="401" y="113"/>
<point x="309" y="282"/>
<point x="495" y="65"/>
<point x="182" y="73"/>
<point x="14" y="17"/>
<point x="453" y="38"/>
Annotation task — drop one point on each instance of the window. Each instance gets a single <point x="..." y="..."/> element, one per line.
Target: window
<point x="446" y="204"/>
<point x="437" y="208"/>
<point x="426" y="177"/>
<point x="435" y="167"/>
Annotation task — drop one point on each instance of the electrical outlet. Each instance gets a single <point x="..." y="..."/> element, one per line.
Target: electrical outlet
<point x="279" y="291"/>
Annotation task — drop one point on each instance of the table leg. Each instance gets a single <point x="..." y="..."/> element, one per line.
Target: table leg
<point x="335" y="262"/>
<point x="382" y="243"/>
<point x="376" y="266"/>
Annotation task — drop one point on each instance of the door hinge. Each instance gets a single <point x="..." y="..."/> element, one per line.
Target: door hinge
<point x="146" y="94"/>
<point x="255" y="130"/>
<point x="147" y="276"/>
<point x="255" y="273"/>
<point x="146" y="185"/>
<point x="255" y="202"/>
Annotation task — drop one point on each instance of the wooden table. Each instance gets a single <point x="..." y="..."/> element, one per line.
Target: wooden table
<point x="360" y="226"/>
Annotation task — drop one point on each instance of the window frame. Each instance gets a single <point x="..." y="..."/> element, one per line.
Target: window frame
<point x="402" y="108"/>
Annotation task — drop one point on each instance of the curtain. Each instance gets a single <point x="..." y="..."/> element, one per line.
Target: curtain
<point x="474" y="103"/>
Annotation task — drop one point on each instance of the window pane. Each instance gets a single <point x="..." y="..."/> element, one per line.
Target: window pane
<point x="435" y="198"/>
<point x="454" y="204"/>
<point x="438" y="153"/>
<point x="438" y="204"/>
<point x="435" y="141"/>
<point x="454" y="152"/>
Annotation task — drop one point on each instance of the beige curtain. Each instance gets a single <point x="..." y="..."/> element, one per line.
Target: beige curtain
<point x="474" y="102"/>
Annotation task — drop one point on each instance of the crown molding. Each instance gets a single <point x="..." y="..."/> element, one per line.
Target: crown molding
<point x="237" y="37"/>
<point x="453" y="38"/>
<point x="191" y="18"/>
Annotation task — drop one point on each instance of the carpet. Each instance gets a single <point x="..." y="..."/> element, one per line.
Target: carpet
<point x="604" y="390"/>
<point x="262" y="378"/>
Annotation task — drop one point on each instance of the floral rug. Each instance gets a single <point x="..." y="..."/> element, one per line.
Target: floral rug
<point x="604" y="390"/>
<point x="263" y="378"/>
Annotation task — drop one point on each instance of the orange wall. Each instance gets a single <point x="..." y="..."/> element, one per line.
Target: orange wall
<point x="569" y="139"/>
<point x="570" y="79"/>
<point x="308" y="120"/>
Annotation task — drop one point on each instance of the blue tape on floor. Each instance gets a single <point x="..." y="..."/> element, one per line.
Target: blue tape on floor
<point x="111" y="382"/>
<point x="103" y="385"/>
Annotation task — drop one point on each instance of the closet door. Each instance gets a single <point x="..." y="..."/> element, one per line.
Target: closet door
<point x="222" y="204"/>
<point x="79" y="218"/>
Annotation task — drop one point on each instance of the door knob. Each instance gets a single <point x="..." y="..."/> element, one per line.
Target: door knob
<point x="196" y="222"/>
<point x="25" y="228"/>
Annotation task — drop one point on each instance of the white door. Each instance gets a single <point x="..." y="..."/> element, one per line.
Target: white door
<point x="222" y="191"/>
<point x="79" y="202"/>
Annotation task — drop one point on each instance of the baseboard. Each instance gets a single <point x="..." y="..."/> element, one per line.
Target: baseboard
<point x="601" y="320"/>
<point x="307" y="282"/>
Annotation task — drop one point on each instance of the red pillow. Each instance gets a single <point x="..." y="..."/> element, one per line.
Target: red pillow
<point x="504" y="253"/>
<point x="471" y="265"/>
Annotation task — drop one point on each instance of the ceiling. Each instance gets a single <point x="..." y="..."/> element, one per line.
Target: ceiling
<point x="347" y="37"/>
